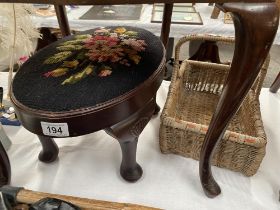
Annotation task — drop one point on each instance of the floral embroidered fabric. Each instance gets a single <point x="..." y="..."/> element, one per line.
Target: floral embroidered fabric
<point x="88" y="68"/>
<point x="95" y="53"/>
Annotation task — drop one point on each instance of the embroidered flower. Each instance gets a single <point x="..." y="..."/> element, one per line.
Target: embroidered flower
<point x="102" y="31"/>
<point x="113" y="35"/>
<point x="22" y="60"/>
<point x="105" y="73"/>
<point x="106" y="54"/>
<point x="135" y="58"/>
<point x="87" y="54"/>
<point x="98" y="41"/>
<point x="138" y="45"/>
<point x="120" y="30"/>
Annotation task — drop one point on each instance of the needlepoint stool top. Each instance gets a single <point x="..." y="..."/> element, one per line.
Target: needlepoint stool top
<point x="88" y="69"/>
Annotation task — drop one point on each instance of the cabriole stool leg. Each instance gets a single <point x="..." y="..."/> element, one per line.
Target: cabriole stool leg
<point x="255" y="25"/>
<point x="127" y="133"/>
<point x="49" y="151"/>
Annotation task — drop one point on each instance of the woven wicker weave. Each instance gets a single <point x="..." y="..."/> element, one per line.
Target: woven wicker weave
<point x="193" y="95"/>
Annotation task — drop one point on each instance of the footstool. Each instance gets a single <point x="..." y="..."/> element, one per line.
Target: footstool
<point x="104" y="78"/>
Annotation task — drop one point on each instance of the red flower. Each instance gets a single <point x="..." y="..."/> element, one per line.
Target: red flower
<point x="98" y="40"/>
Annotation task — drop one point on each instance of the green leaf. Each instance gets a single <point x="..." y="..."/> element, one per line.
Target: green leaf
<point x="83" y="36"/>
<point x="79" y="76"/>
<point x="69" y="47"/>
<point x="57" y="72"/>
<point x="131" y="33"/>
<point x="73" y="42"/>
<point x="58" y="57"/>
<point x="81" y="56"/>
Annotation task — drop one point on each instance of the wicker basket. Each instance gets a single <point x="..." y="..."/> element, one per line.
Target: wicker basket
<point x="193" y="95"/>
<point x="278" y="3"/>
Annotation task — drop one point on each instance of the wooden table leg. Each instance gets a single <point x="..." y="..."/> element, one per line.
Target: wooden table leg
<point x="275" y="85"/>
<point x="166" y="23"/>
<point x="5" y="167"/>
<point x="215" y="13"/>
<point x="255" y="28"/>
<point x="62" y="20"/>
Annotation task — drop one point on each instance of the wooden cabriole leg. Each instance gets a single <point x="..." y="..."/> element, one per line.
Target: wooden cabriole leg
<point x="49" y="151"/>
<point x="62" y="20"/>
<point x="5" y="167"/>
<point x="255" y="28"/>
<point x="275" y="85"/>
<point x="127" y="133"/>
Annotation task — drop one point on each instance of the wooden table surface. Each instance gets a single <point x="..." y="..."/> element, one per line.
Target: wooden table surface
<point x="102" y="2"/>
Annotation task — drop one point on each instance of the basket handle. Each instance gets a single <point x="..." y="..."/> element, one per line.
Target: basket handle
<point x="198" y="37"/>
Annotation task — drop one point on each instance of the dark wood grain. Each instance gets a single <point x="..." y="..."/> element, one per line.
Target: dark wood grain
<point x="62" y="20"/>
<point x="103" y="2"/>
<point x="166" y="22"/>
<point x="5" y="167"/>
<point x="255" y="28"/>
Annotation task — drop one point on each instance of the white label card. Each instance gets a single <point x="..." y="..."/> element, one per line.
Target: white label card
<point x="55" y="129"/>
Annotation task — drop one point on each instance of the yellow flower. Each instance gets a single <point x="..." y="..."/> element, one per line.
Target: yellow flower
<point x="89" y="69"/>
<point x="135" y="58"/>
<point x="120" y="30"/>
<point x="70" y="64"/>
<point x="130" y="51"/>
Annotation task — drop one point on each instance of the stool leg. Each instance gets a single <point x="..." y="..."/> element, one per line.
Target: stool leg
<point x="130" y="170"/>
<point x="5" y="167"/>
<point x="127" y="133"/>
<point x="49" y="151"/>
<point x="275" y="85"/>
<point x="256" y="25"/>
